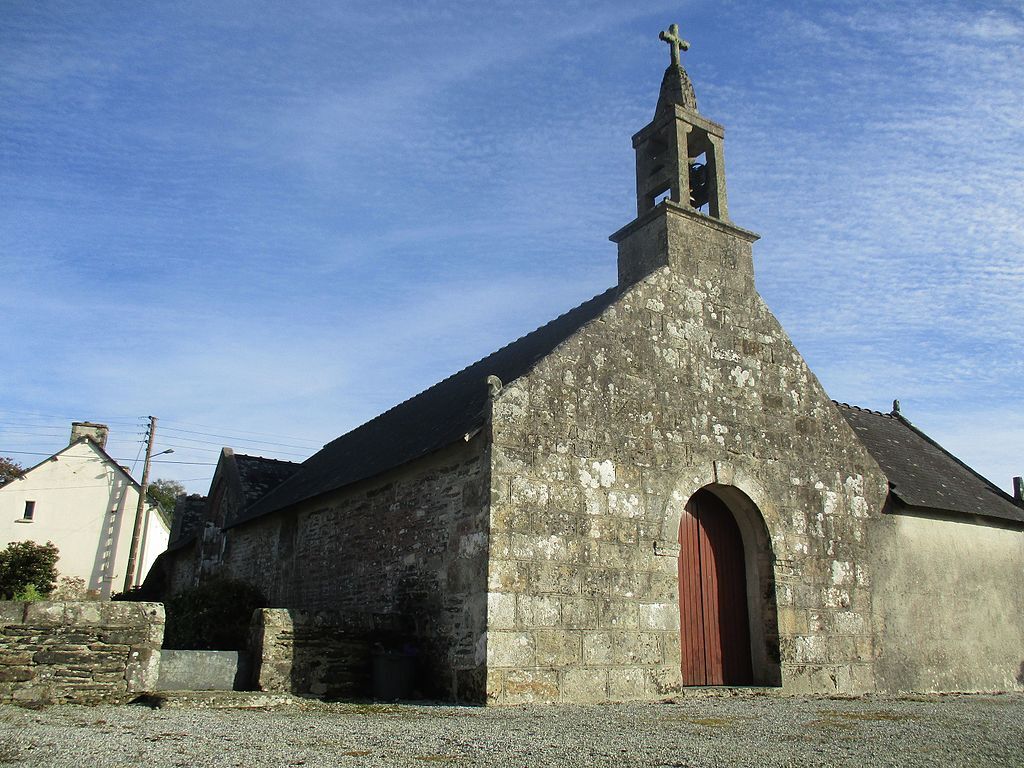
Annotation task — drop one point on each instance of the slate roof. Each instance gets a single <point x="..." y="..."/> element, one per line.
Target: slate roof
<point x="437" y="417"/>
<point x="260" y="475"/>
<point x="189" y="516"/>
<point x="924" y="474"/>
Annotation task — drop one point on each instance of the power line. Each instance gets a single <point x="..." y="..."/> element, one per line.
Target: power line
<point x="217" y="450"/>
<point x="239" y="431"/>
<point x="211" y="442"/>
<point x="69" y="419"/>
<point x="237" y="438"/>
<point x="155" y="461"/>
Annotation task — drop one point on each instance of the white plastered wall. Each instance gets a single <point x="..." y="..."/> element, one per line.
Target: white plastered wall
<point x="948" y="605"/>
<point x="85" y="505"/>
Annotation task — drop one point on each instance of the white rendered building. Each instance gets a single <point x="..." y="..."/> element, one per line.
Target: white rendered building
<point x="85" y="503"/>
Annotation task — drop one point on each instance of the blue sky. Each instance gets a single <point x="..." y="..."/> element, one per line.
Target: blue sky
<point x="265" y="223"/>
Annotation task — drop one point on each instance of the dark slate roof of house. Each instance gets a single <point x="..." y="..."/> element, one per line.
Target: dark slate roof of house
<point x="924" y="474"/>
<point x="437" y="417"/>
<point x="260" y="475"/>
<point x="189" y="514"/>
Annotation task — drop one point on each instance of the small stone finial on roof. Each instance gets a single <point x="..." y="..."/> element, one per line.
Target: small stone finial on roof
<point x="675" y="42"/>
<point x="896" y="408"/>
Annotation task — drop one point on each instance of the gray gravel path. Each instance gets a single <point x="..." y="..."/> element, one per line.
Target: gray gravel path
<point x="694" y="731"/>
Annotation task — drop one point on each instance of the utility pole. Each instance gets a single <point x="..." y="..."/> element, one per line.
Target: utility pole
<point x="133" y="552"/>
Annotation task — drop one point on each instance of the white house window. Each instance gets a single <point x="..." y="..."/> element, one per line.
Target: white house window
<point x="30" y="510"/>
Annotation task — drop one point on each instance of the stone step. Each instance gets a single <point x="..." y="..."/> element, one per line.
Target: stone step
<point x="220" y="700"/>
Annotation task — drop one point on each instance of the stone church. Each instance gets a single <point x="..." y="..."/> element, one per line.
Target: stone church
<point x="649" y="492"/>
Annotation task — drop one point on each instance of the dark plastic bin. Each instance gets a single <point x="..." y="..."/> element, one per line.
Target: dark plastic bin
<point x="393" y="675"/>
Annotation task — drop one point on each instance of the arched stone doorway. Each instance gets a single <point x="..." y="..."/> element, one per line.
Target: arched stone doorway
<point x="728" y="621"/>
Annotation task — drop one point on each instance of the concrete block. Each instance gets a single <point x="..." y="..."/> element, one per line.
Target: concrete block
<point x="663" y="681"/>
<point x="84" y="613"/>
<point x="202" y="671"/>
<point x="11" y="612"/>
<point x="142" y="672"/>
<point x="618" y="614"/>
<point x="635" y="648"/>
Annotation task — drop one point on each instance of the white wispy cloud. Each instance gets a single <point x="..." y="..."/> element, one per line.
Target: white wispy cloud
<point x="286" y="221"/>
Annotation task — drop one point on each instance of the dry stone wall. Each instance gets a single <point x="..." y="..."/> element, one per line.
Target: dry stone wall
<point x="78" y="651"/>
<point x="411" y="542"/>
<point x="322" y="653"/>
<point x="687" y="381"/>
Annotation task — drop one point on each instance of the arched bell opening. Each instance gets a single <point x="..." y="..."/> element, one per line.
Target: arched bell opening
<point x="728" y="616"/>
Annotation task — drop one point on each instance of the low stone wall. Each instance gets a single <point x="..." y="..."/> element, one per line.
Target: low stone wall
<point x="78" y="651"/>
<point x="322" y="653"/>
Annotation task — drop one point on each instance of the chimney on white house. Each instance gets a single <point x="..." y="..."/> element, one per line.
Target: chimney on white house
<point x="96" y="432"/>
<point x="1018" y="490"/>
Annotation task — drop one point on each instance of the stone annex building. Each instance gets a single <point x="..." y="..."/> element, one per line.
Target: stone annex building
<point x="651" y="491"/>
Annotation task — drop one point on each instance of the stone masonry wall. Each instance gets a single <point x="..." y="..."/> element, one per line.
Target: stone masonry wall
<point x="78" y="651"/>
<point x="322" y="653"/>
<point x="686" y="381"/>
<point x="411" y="542"/>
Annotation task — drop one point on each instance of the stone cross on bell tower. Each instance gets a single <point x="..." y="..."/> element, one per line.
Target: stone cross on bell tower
<point x="675" y="41"/>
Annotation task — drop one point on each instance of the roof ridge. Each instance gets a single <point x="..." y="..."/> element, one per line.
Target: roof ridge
<point x="265" y="458"/>
<point x="865" y="410"/>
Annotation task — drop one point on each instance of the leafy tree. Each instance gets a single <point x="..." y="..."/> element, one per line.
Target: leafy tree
<point x="24" y="564"/>
<point x="9" y="470"/>
<point x="212" y="616"/>
<point x="165" y="493"/>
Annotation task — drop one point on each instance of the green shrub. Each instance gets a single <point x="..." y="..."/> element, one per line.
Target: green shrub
<point x="28" y="594"/>
<point x="213" y="616"/>
<point x="26" y="564"/>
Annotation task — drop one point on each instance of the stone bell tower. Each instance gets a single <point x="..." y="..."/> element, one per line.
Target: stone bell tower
<point x="680" y="177"/>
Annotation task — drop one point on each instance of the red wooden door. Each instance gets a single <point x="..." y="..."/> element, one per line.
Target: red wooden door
<point x="714" y="628"/>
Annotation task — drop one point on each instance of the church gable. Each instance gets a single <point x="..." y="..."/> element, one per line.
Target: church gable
<point x="676" y="387"/>
<point x="685" y="385"/>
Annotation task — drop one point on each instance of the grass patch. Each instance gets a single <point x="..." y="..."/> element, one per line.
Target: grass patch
<point x="371" y="709"/>
<point x="849" y="719"/>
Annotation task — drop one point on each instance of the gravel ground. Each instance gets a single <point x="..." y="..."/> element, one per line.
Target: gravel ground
<point x="694" y="731"/>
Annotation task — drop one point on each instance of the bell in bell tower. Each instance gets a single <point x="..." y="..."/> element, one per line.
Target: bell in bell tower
<point x="679" y="153"/>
